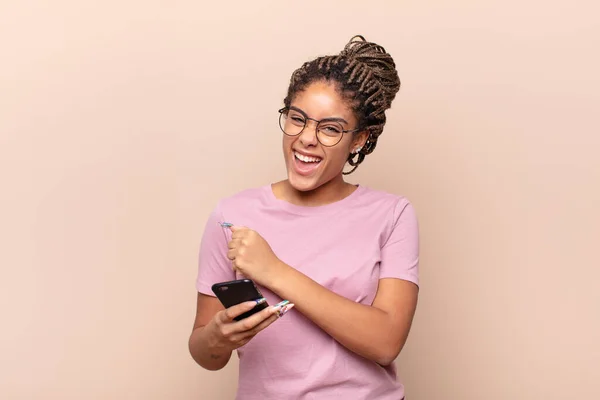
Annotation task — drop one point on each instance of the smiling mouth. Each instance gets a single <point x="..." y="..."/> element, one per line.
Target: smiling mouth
<point x="305" y="165"/>
<point x="307" y="159"/>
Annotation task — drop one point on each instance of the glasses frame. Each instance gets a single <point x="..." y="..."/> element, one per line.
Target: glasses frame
<point x="307" y="118"/>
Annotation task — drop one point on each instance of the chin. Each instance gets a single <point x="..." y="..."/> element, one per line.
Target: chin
<point x="303" y="183"/>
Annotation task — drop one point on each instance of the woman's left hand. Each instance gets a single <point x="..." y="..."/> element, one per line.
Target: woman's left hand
<point x="251" y="255"/>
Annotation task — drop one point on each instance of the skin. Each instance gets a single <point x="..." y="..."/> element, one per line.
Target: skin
<point x="319" y="100"/>
<point x="383" y="327"/>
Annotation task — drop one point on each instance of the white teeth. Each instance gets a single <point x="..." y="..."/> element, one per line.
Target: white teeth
<point x="304" y="158"/>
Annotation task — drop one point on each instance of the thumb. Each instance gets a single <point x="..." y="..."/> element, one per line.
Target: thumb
<point x="230" y="226"/>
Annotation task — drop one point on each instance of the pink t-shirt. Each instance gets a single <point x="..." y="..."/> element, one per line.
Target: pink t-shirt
<point x="346" y="246"/>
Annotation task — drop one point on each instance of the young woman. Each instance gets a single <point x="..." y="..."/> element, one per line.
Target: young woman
<point x="345" y="255"/>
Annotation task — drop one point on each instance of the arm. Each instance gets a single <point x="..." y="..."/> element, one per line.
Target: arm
<point x="213" y="267"/>
<point x="203" y="350"/>
<point x="376" y="332"/>
<point x="216" y="334"/>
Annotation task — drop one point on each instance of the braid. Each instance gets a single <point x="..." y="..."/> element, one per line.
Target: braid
<point x="365" y="75"/>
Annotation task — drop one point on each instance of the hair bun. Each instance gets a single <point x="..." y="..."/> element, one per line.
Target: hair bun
<point x="379" y="63"/>
<point x="366" y="79"/>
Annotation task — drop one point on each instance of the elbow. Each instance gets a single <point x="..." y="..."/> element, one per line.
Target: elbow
<point x="388" y="355"/>
<point x="386" y="360"/>
<point x="390" y="349"/>
<point x="210" y="363"/>
<point x="212" y="367"/>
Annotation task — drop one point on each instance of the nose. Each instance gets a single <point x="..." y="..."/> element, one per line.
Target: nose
<point x="308" y="137"/>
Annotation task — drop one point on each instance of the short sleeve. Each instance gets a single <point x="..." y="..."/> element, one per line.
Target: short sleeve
<point x="213" y="264"/>
<point x="400" y="253"/>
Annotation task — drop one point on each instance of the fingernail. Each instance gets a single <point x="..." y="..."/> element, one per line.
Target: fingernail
<point x="281" y="304"/>
<point x="226" y="224"/>
<point x="260" y="301"/>
<point x="284" y="310"/>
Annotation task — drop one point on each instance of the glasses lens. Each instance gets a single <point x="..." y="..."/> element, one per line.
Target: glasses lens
<point x="330" y="133"/>
<point x="292" y="122"/>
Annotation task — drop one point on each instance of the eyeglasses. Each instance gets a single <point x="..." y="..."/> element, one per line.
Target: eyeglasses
<point x="329" y="130"/>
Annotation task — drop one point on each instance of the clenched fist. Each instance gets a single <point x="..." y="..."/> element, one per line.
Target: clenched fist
<point x="252" y="256"/>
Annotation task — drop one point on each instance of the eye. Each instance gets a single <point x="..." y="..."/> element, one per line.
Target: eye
<point x="331" y="129"/>
<point x="296" y="119"/>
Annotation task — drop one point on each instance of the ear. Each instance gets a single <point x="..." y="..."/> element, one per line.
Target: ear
<point x="359" y="140"/>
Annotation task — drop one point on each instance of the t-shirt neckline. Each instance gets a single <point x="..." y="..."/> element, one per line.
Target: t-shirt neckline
<point x="312" y="210"/>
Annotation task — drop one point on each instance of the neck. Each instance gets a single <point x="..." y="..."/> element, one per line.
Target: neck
<point x="330" y="192"/>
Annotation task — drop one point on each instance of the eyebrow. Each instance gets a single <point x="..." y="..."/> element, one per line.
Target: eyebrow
<point x="337" y="119"/>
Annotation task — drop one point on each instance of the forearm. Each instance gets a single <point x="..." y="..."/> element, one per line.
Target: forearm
<point x="363" y="329"/>
<point x="206" y="354"/>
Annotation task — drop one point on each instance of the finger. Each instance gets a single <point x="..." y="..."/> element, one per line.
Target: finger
<point x="241" y="342"/>
<point x="252" y="332"/>
<point x="228" y="315"/>
<point x="280" y="312"/>
<point x="231" y="254"/>
<point x="234" y="243"/>
<point x="254" y="320"/>
<point x="238" y="231"/>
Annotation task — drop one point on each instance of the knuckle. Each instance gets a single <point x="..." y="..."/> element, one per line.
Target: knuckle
<point x="266" y="313"/>
<point x="225" y="332"/>
<point x="255" y="330"/>
<point x="247" y="325"/>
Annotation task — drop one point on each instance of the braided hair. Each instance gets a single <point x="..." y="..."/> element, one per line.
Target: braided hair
<point x="365" y="75"/>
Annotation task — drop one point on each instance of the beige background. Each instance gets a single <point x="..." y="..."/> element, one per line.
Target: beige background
<point x="123" y="122"/>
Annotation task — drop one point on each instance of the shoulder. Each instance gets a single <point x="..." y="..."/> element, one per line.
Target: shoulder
<point x="386" y="210"/>
<point x="244" y="196"/>
<point x="235" y="206"/>
<point x="379" y="199"/>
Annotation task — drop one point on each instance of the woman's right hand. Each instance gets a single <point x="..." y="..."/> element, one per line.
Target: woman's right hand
<point x="227" y="334"/>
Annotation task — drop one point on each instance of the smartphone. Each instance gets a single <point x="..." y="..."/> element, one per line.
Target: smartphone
<point x="236" y="292"/>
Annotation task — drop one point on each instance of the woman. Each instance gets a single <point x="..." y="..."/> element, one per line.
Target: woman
<point x="345" y="255"/>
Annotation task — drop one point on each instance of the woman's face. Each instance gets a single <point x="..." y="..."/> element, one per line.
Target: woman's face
<point x="309" y="163"/>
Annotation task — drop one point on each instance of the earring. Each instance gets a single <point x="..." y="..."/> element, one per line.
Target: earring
<point x="358" y="149"/>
